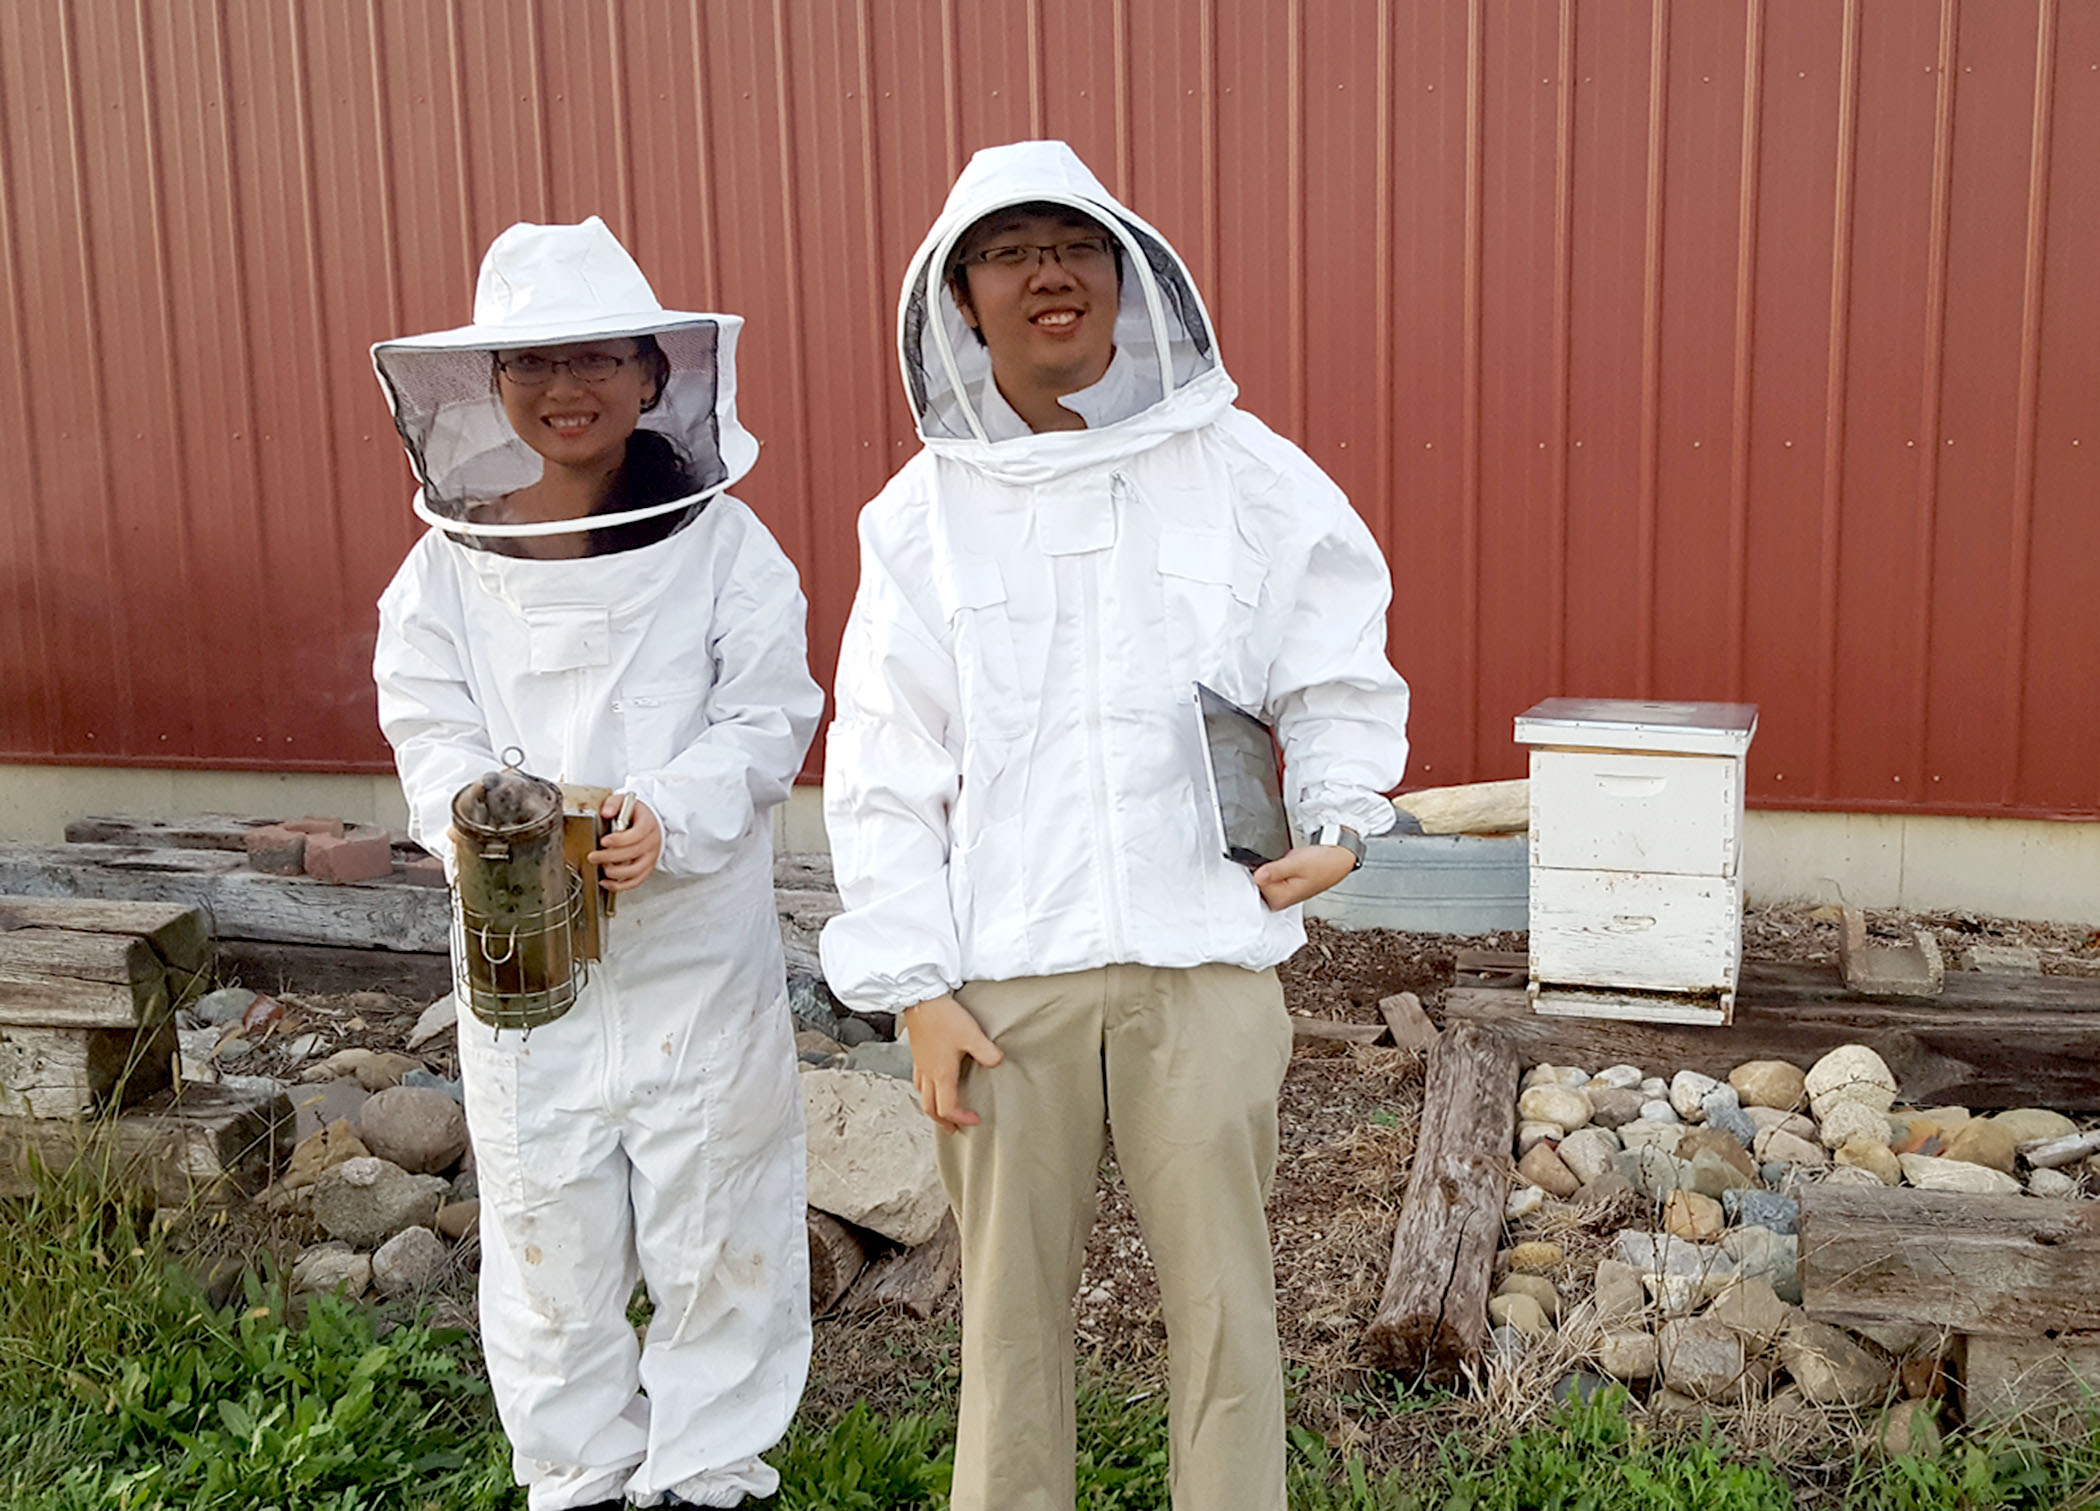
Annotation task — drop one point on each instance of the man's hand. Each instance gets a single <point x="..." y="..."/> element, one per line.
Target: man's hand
<point x="942" y="1032"/>
<point x="1305" y="872"/>
<point x="626" y="857"/>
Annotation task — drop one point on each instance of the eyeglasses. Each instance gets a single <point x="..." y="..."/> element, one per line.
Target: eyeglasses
<point x="528" y="370"/>
<point x="1082" y="254"/>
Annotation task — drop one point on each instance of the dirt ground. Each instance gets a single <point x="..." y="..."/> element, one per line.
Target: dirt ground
<point x="1349" y="1117"/>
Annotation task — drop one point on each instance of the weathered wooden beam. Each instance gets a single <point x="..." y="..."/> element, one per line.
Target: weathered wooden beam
<point x="837" y="1255"/>
<point x="1331" y="1031"/>
<point x="70" y="1072"/>
<point x="209" y="1145"/>
<point x="913" y="1279"/>
<point x="55" y="978"/>
<point x="202" y="831"/>
<point x="243" y="904"/>
<point x="179" y="934"/>
<point x="1984" y="1050"/>
<point x="2008" y="1266"/>
<point x="2048" y="1383"/>
<point x="1432" y="1316"/>
<point x="265" y="966"/>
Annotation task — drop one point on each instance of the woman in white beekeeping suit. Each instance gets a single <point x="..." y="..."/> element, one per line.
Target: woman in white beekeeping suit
<point x="590" y="596"/>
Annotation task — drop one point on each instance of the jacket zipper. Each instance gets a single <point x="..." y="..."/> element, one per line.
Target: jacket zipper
<point x="1104" y="837"/>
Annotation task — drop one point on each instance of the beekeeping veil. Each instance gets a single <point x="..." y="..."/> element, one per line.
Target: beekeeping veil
<point x="549" y="286"/>
<point x="1161" y="326"/>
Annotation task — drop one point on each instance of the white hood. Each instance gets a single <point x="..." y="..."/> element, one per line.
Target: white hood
<point x="546" y="286"/>
<point x="1161" y="326"/>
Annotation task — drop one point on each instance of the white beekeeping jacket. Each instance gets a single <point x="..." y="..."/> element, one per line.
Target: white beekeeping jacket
<point x="1013" y="785"/>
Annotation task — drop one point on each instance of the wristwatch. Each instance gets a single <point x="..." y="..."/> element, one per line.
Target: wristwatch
<point x="1346" y="837"/>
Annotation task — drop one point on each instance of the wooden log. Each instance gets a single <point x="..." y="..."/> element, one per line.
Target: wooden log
<point x="913" y="1280"/>
<point x="208" y="1146"/>
<point x="386" y="914"/>
<point x="178" y="933"/>
<point x="70" y="1072"/>
<point x="1475" y="808"/>
<point x="1410" y="1026"/>
<point x="2052" y="1384"/>
<point x="1979" y="1043"/>
<point x="2055" y="1153"/>
<point x="837" y="1255"/>
<point x="55" y="978"/>
<point x="276" y="969"/>
<point x="202" y="831"/>
<point x="2008" y="1266"/>
<point x="1432" y="1316"/>
<point x="1328" y="1030"/>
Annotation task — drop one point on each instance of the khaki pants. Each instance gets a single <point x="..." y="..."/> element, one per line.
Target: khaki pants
<point x="1185" y="1065"/>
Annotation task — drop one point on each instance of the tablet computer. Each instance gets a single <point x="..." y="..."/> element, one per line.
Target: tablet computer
<point x="1246" y="780"/>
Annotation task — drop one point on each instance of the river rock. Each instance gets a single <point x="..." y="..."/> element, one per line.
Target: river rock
<point x="1659" y="1110"/>
<point x="1853" y="1175"/>
<point x="442" y="1016"/>
<point x="1752" y="1310"/>
<point x="1870" y="1154"/>
<point x="1790" y="1149"/>
<point x="1850" y="1073"/>
<point x="1618" y="1295"/>
<point x="419" y="1128"/>
<point x="1712" y="1175"/>
<point x="1795" y="1123"/>
<point x="2028" y="1125"/>
<point x="1649" y="1134"/>
<point x="1531" y="1134"/>
<point x="1587" y="1152"/>
<point x="1667" y="1254"/>
<point x="1928" y="1173"/>
<point x="1761" y="1254"/>
<point x="1983" y="1141"/>
<point x="1910" y="1429"/>
<point x="871" y="1154"/>
<point x="1619" y="1077"/>
<point x="1537" y="1287"/>
<point x="1610" y="1107"/>
<point x="1523" y="1201"/>
<point x="459" y="1219"/>
<point x="1688" y="1089"/>
<point x="413" y="1260"/>
<point x="1722" y="1145"/>
<point x="1546" y="1170"/>
<point x="1656" y="1174"/>
<point x="2051" y="1183"/>
<point x="224" y="1006"/>
<point x="1700" y="1358"/>
<point x="368" y="1200"/>
<point x="1627" y="1354"/>
<point x="1762" y="1209"/>
<point x="1520" y="1312"/>
<point x="1534" y="1256"/>
<point x="1776" y="1084"/>
<point x="321" y="1150"/>
<point x="1693" y="1216"/>
<point x="331" y="1267"/>
<point x="1843" y="1122"/>
<point x="1568" y="1106"/>
<point x="1830" y="1368"/>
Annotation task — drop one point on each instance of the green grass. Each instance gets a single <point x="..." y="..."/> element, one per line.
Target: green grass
<point x="123" y="1387"/>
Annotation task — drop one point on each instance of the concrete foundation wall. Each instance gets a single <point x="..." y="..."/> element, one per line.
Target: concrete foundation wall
<point x="2007" y="868"/>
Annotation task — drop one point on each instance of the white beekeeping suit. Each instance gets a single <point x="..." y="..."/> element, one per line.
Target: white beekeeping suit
<point x="1006" y="798"/>
<point x="655" y="1130"/>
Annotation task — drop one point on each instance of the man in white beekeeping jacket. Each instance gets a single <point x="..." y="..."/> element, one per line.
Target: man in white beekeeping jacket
<point x="590" y="598"/>
<point x="1017" y="809"/>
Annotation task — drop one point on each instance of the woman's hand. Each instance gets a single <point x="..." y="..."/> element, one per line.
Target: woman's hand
<point x="626" y="857"/>
<point x="1305" y="872"/>
<point x="942" y="1033"/>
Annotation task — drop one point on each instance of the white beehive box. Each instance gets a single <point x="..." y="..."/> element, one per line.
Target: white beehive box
<point x="1636" y="846"/>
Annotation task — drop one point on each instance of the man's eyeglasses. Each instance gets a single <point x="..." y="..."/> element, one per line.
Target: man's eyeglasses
<point x="1082" y="254"/>
<point x="528" y="370"/>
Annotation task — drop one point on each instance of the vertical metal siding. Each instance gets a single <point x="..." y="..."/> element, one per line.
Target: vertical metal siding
<point x="1689" y="348"/>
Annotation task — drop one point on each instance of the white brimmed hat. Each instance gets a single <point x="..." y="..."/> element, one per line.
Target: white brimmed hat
<point x="549" y="286"/>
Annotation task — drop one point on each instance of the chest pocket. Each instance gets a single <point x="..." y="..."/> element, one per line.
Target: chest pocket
<point x="987" y="673"/>
<point x="658" y="723"/>
<point x="567" y="639"/>
<point x="1211" y="590"/>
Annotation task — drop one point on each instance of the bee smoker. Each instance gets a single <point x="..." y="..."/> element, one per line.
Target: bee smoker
<point x="524" y="918"/>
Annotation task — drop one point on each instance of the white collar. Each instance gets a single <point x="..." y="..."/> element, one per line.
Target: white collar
<point x="1101" y="403"/>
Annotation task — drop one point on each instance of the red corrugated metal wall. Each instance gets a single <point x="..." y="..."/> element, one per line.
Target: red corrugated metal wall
<point x="1740" y="349"/>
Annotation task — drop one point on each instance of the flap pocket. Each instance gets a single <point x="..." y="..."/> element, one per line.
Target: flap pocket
<point x="1210" y="556"/>
<point x="568" y="639"/>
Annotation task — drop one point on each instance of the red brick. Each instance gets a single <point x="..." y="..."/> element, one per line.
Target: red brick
<point x="277" y="850"/>
<point x="334" y="827"/>
<point x="361" y="855"/>
<point x="423" y="871"/>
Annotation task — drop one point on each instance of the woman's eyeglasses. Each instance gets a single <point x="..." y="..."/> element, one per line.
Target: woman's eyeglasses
<point x="528" y="370"/>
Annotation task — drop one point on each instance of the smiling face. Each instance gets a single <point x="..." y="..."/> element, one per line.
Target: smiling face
<point x="577" y="425"/>
<point x="1048" y="322"/>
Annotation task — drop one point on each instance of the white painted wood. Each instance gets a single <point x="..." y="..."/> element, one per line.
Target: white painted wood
<point x="1625" y="811"/>
<point x="1645" y="932"/>
<point x="1634" y="1007"/>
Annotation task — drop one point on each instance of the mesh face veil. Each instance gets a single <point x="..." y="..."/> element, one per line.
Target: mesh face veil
<point x="1160" y="320"/>
<point x="551" y="286"/>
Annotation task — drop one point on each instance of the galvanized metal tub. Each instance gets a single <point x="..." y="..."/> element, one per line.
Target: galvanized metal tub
<point x="1434" y="884"/>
